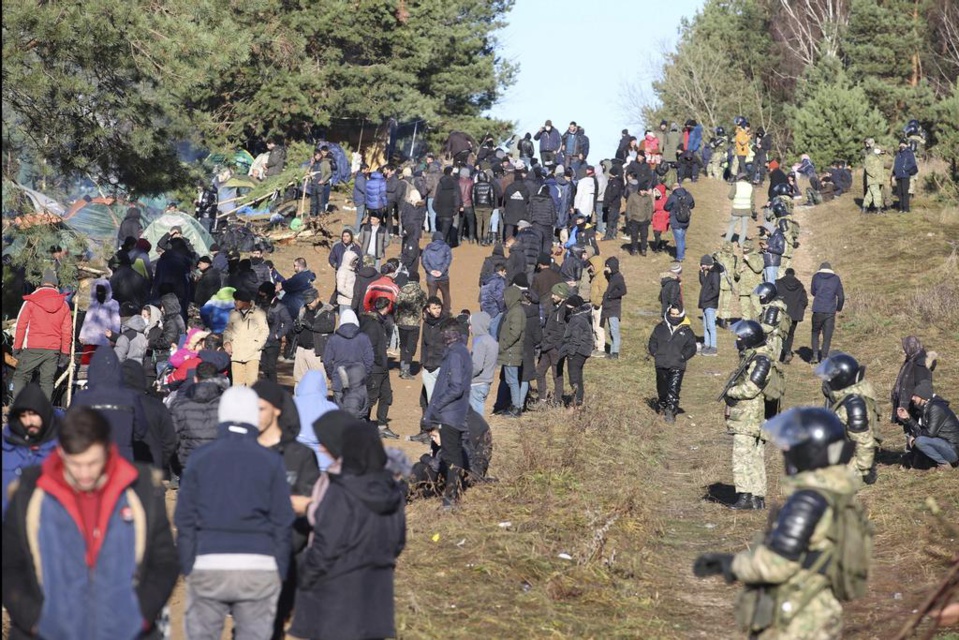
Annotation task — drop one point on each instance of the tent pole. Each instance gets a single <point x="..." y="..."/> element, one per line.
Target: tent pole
<point x="413" y="143"/>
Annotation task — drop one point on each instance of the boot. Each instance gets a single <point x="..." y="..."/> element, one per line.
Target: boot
<point x="386" y="432"/>
<point x="513" y="412"/>
<point x="669" y="415"/>
<point x="759" y="502"/>
<point x="423" y="437"/>
<point x="743" y="502"/>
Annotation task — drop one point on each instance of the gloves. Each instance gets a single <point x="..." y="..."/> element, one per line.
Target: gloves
<point x="63" y="360"/>
<point x="714" y="564"/>
<point x="870" y="476"/>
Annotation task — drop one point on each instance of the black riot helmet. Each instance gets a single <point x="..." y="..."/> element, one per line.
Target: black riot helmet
<point x="749" y="334"/>
<point x="767" y="292"/>
<point x="720" y="131"/>
<point x="810" y="438"/>
<point x="779" y="208"/>
<point x="840" y="370"/>
<point x="781" y="189"/>
<point x="739" y="121"/>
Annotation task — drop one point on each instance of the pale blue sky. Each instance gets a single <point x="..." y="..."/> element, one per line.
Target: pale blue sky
<point x="575" y="56"/>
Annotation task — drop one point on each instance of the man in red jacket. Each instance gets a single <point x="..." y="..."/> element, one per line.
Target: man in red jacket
<point x="43" y="335"/>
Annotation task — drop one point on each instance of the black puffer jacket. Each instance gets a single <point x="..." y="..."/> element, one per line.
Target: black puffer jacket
<point x="555" y="329"/>
<point x="433" y="348"/>
<point x="578" y="339"/>
<point x="613" y="296"/>
<point x="542" y="210"/>
<point x="672" y="346"/>
<point x="194" y="414"/>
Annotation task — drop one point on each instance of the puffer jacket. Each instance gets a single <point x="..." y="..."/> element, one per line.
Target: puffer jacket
<point x="44" y="322"/>
<point x="437" y="256"/>
<point x="100" y="317"/>
<point x="491" y="296"/>
<point x="542" y="210"/>
<point x="512" y="330"/>
<point x="671" y="346"/>
<point x="346" y="279"/>
<point x="194" y="413"/>
<point x="247" y="332"/>
<point x="132" y="344"/>
<point x="578" y="339"/>
<point x="612" y="300"/>
<point x="376" y="192"/>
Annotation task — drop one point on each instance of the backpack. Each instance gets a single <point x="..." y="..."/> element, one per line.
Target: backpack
<point x="775" y="387"/>
<point x="851" y="534"/>
<point x="339" y="163"/>
<point x="683" y="213"/>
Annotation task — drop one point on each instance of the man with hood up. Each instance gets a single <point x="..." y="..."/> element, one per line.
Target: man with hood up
<point x="43" y="336"/>
<point x="312" y="404"/>
<point x="612" y="304"/>
<point x="279" y="426"/>
<point x="437" y="258"/>
<point x="131" y="343"/>
<point x="130" y="226"/>
<point x="173" y="269"/>
<point x="102" y="316"/>
<point x="485" y="353"/>
<point x="129" y="285"/>
<point x="670" y="287"/>
<point x="512" y="332"/>
<point x="917" y="366"/>
<point x="794" y="295"/>
<point x="159" y="440"/>
<point x="348" y="360"/>
<point x="120" y="405"/>
<point x="30" y="434"/>
<point x="554" y="332"/>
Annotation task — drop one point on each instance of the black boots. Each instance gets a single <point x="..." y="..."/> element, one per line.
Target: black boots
<point x="748" y="501"/>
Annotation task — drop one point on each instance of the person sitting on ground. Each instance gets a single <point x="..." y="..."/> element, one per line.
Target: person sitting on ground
<point x="934" y="437"/>
<point x="428" y="478"/>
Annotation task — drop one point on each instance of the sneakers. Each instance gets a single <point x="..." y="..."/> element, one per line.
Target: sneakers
<point x="709" y="351"/>
<point x="599" y="353"/>
<point x="423" y="437"/>
<point x="612" y="356"/>
<point x="386" y="432"/>
<point x="406" y="375"/>
<point x="513" y="412"/>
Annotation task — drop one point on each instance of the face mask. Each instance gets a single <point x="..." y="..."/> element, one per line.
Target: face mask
<point x="674" y="320"/>
<point x="101" y="295"/>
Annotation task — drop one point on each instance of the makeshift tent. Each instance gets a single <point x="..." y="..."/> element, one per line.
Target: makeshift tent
<point x="100" y="218"/>
<point x="192" y="231"/>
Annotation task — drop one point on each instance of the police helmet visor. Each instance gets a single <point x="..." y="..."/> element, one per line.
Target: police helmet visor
<point x="827" y="370"/>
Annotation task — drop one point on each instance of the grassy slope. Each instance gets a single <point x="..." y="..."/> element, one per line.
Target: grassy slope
<point x="623" y="495"/>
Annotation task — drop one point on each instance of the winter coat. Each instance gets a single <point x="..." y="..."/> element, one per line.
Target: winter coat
<point x="916" y="368"/>
<point x="613" y="198"/>
<point x="311" y="405"/>
<point x="555" y="329"/>
<point x="597" y="282"/>
<point x="741" y="141"/>
<point x="44" y="322"/>
<point x="489" y="264"/>
<point x="531" y="339"/>
<point x="578" y="339"/>
<point x="433" y="348"/>
<point x="313" y="327"/>
<point x="158" y="443"/>
<point x="613" y="296"/>
<point x="215" y="314"/>
<point x="775" y="247"/>
<point x="483" y="195"/>
<point x="130" y="227"/>
<point x="938" y="421"/>
<point x="345" y="577"/>
<point x="359" y="189"/>
<point x="376" y="192"/>
<point x="491" y="296"/>
<point x="826" y="288"/>
<point x="294" y="287"/>
<point x="515" y="203"/>
<point x="248" y="333"/>
<point x="280" y="323"/>
<point x="207" y="286"/>
<point x="694" y="139"/>
<point x="370" y="235"/>
<point x="194" y="412"/>
<point x="671" y="347"/>
<point x="347" y="346"/>
<point x="449" y="401"/>
<point x="512" y="329"/>
<point x="585" y="199"/>
<point x="119" y="404"/>
<point x="548" y="140"/>
<point x="346" y="279"/>
<point x="410" y="304"/>
<point x="373" y="327"/>
<point x="875" y="170"/>
<point x="670" y="292"/>
<point x="904" y="165"/>
<point x="129" y="286"/>
<point x="530" y="240"/>
<point x="674" y="138"/>
<point x="542" y="284"/>
<point x="338" y="252"/>
<point x="50" y="589"/>
<point x="542" y="210"/>
<point x="639" y="208"/>
<point x="672" y="205"/>
<point x="516" y="263"/>
<point x="100" y="317"/>
<point x="365" y="276"/>
<point x="234" y="498"/>
<point x="174" y="268"/>
<point x="485" y="349"/>
<point x="447" y="200"/>
<point x="20" y="449"/>
<point x="794" y="295"/>
<point x="709" y="283"/>
<point x="132" y="343"/>
<point x="276" y="161"/>
<point x="660" y="215"/>
<point x="437" y="256"/>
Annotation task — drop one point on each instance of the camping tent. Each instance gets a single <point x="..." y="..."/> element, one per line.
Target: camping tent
<point x="99" y="218"/>
<point x="192" y="231"/>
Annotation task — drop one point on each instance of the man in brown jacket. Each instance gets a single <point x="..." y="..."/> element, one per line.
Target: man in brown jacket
<point x="597" y="287"/>
<point x="246" y="333"/>
<point x="639" y="213"/>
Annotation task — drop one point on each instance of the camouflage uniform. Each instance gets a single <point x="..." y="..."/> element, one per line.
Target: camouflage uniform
<point x="874" y="172"/>
<point x="775" y="333"/>
<point x="750" y="277"/>
<point x="787" y="582"/>
<point x="917" y="142"/>
<point x="745" y="414"/>
<point x="859" y="400"/>
<point x="717" y="160"/>
<point x="790" y="228"/>
<point x="727" y="282"/>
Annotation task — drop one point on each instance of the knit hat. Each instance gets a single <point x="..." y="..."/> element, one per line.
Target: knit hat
<point x="520" y="280"/>
<point x="574" y="301"/>
<point x="239" y="405"/>
<point x="559" y="170"/>
<point x="676" y="267"/>
<point x="923" y="390"/>
<point x="825" y="265"/>
<point x="50" y="277"/>
<point x="560" y="290"/>
<point x="348" y="316"/>
<point x="707" y="260"/>
<point x="522" y="224"/>
<point x="407" y="172"/>
<point x="329" y="429"/>
<point x="465" y="172"/>
<point x="241" y="295"/>
<point x="269" y="391"/>
<point x="144" y="245"/>
<point x="544" y="258"/>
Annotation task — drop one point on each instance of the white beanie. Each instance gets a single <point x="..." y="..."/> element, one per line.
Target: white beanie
<point x="239" y="405"/>
<point x="348" y="317"/>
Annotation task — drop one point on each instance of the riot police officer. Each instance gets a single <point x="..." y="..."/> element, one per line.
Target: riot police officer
<point x="773" y="316"/>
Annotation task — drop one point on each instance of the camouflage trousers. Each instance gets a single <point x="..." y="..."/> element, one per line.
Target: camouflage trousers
<point x="715" y="167"/>
<point x="747" y="310"/>
<point x="749" y="464"/>
<point x="873" y="197"/>
<point x="821" y="619"/>
<point x="725" y="300"/>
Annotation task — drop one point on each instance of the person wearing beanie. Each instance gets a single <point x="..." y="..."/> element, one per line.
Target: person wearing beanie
<point x="671" y="344"/>
<point x="246" y="333"/>
<point x="43" y="336"/>
<point x="512" y="333"/>
<point x="670" y="287"/>
<point x="933" y="439"/>
<point x="828" y="300"/>
<point x="234" y="519"/>
<point x="280" y="324"/>
<point x="577" y="345"/>
<point x="710" y="277"/>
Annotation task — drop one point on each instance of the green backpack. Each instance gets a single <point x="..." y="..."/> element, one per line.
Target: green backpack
<point x="775" y="387"/>
<point x="849" y="558"/>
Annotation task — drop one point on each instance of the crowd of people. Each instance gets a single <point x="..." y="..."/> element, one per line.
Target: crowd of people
<point x="289" y="506"/>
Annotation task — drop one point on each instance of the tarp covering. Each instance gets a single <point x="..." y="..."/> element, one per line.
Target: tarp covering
<point x="192" y="231"/>
<point x="99" y="218"/>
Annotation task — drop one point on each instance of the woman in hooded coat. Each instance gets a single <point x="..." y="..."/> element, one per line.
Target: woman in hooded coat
<point x="103" y="315"/>
<point x="917" y="367"/>
<point x="346" y="575"/>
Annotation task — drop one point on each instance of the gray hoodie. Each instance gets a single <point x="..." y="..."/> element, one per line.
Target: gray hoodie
<point x="132" y="343"/>
<point x="485" y="349"/>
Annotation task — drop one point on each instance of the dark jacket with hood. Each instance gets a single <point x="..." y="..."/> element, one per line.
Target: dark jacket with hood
<point x="194" y="414"/>
<point x="375" y="329"/>
<point x="449" y="401"/>
<point x="828" y="296"/>
<point x="364" y="277"/>
<point x="158" y="444"/>
<point x="130" y="226"/>
<point x="173" y="268"/>
<point x="672" y="345"/>
<point x="673" y="206"/>
<point x="578" y="339"/>
<point x="512" y="329"/>
<point x="709" y="283"/>
<point x="120" y="405"/>
<point x="207" y="286"/>
<point x="670" y="292"/>
<point x="914" y="370"/>
<point x="345" y="577"/>
<point x="447" y="199"/>
<point x="516" y="263"/>
<point x="489" y="264"/>
<point x="21" y="450"/>
<point x="542" y="210"/>
<point x="793" y="293"/>
<point x="433" y="348"/>
<point x="515" y="203"/>
<point x="173" y="324"/>
<point x="129" y="286"/>
<point x="347" y="346"/>
<point x="555" y="329"/>
<point x="615" y="290"/>
<point x="532" y="338"/>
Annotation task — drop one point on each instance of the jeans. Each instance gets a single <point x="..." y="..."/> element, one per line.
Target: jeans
<point x="612" y="221"/>
<point x="478" y="393"/>
<point x="709" y="328"/>
<point x="515" y="386"/>
<point x="936" y="449"/>
<point x="360" y="214"/>
<point x="575" y="364"/>
<point x="825" y="324"/>
<point x="494" y="325"/>
<point x="431" y="215"/>
<point x="614" y="336"/>
<point x="468" y="225"/>
<point x="429" y="381"/>
<point x="250" y="596"/>
<point x="743" y="222"/>
<point x="770" y="274"/>
<point x="680" y="236"/>
<point x="600" y="223"/>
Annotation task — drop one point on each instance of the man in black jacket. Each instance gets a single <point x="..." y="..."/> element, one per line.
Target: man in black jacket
<point x="550" y="345"/>
<point x="159" y="441"/>
<point x="378" y="386"/>
<point x="280" y="323"/>
<point x="671" y="344"/>
<point x="194" y="411"/>
<point x="613" y="202"/>
<point x="209" y="282"/>
<point x="612" y="304"/>
<point x="710" y="274"/>
<point x="794" y="295"/>
<point x="516" y="199"/>
<point x="433" y="348"/>
<point x="935" y="436"/>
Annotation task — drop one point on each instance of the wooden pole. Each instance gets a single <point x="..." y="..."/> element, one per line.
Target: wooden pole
<point x="299" y="214"/>
<point x="68" y="374"/>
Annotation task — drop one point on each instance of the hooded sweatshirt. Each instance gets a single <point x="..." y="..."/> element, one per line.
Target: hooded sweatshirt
<point x="21" y="449"/>
<point x="485" y="349"/>
<point x="311" y="403"/>
<point x="44" y="322"/>
<point x="615" y="290"/>
<point x="132" y="343"/>
<point x="159" y="441"/>
<point x="347" y="346"/>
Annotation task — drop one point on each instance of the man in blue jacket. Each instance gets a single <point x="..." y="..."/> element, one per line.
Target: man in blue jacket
<point x="449" y="404"/>
<point x="773" y="249"/>
<point x="680" y="205"/>
<point x="30" y="435"/>
<point x="234" y="520"/>
<point x="437" y="258"/>
<point x="359" y="193"/>
<point x="828" y="300"/>
<point x="549" y="142"/>
<point x="903" y="168"/>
